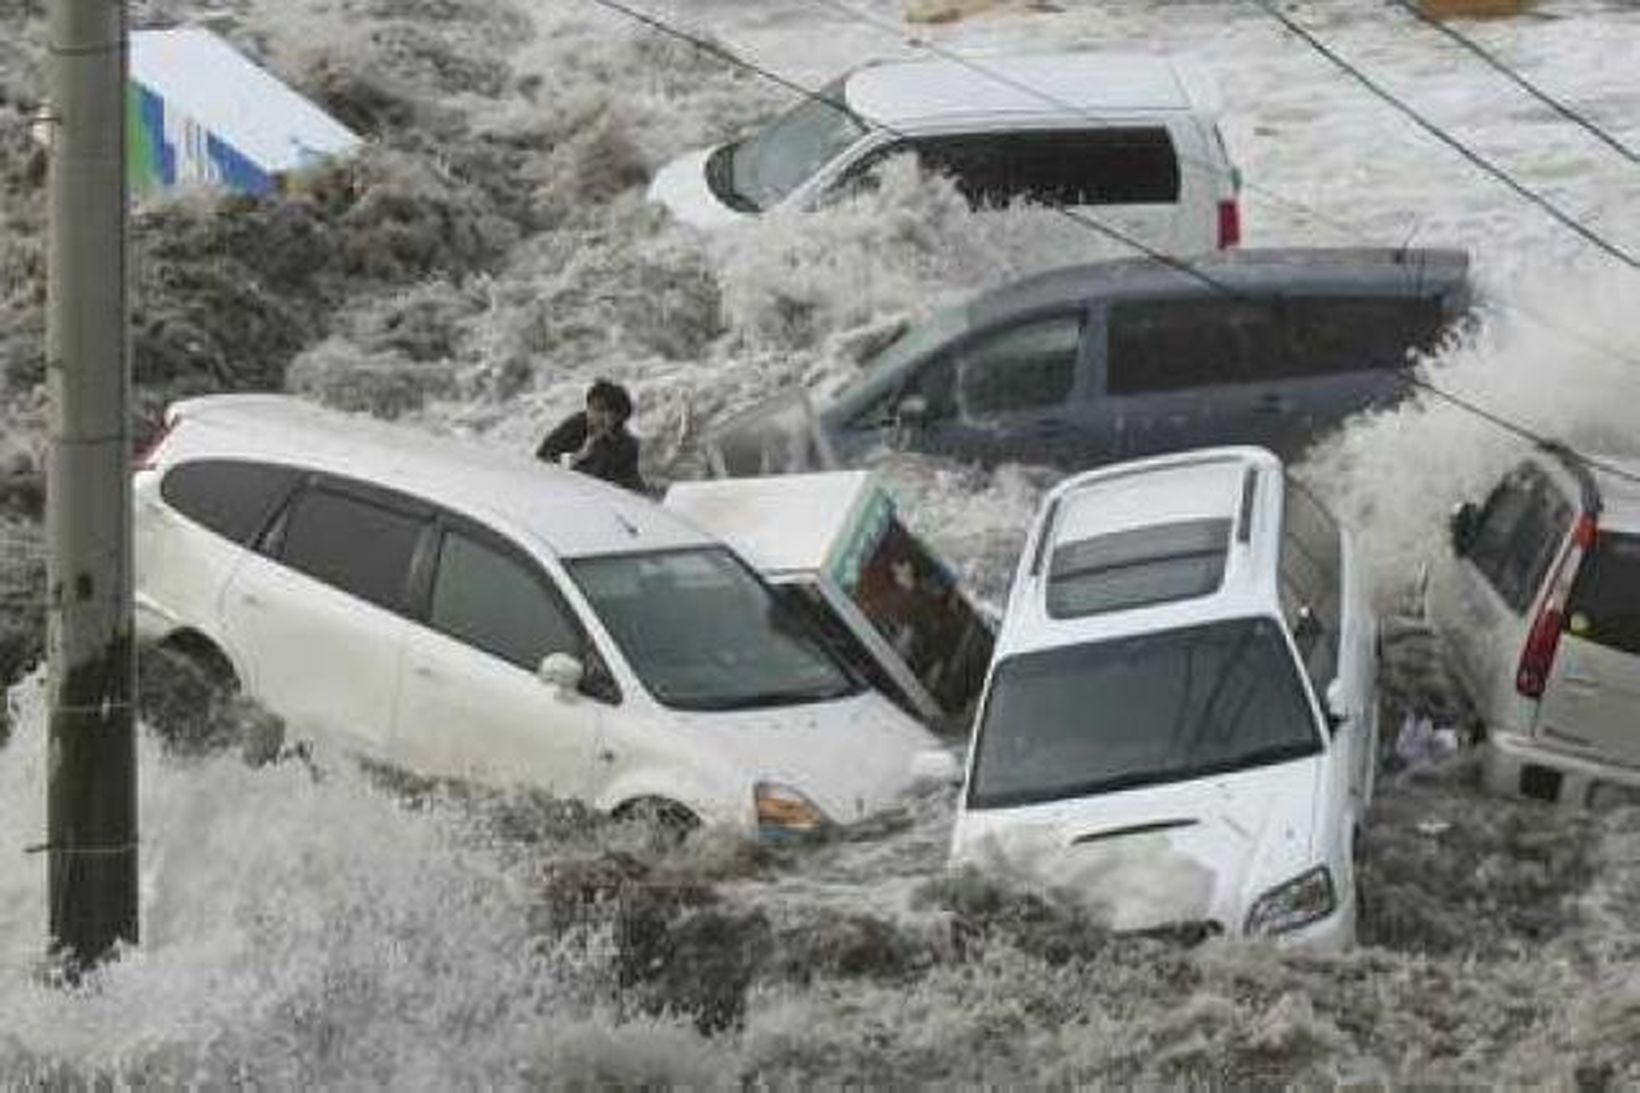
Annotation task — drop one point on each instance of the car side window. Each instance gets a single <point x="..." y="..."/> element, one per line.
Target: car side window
<point x="1025" y="367"/>
<point x="1517" y="534"/>
<point x="234" y="498"/>
<point x="1180" y="343"/>
<point x="495" y="601"/>
<point x="1108" y="165"/>
<point x="352" y="543"/>
<point x="1311" y="583"/>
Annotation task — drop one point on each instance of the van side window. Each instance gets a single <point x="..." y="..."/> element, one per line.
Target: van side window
<point x="1311" y="583"/>
<point x="1518" y="534"/>
<point x="1175" y="344"/>
<point x="1021" y="368"/>
<point x="356" y="545"/>
<point x="494" y="601"/>
<point x="1116" y="165"/>
<point x="1605" y="602"/>
<point x="1167" y="345"/>
<point x="231" y="497"/>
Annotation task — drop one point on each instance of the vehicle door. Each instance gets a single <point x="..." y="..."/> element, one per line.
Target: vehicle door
<point x="1593" y="694"/>
<point x="1177" y="371"/>
<point x="317" y="612"/>
<point x="1311" y="589"/>
<point x="1482" y="603"/>
<point x="1019" y="393"/>
<point x="471" y="704"/>
<point x="1343" y="352"/>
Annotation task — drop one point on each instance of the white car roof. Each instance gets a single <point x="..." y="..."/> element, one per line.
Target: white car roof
<point x="570" y="514"/>
<point x="1239" y="485"/>
<point x="912" y="94"/>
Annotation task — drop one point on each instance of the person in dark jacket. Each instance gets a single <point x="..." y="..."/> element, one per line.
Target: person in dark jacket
<point x="595" y="441"/>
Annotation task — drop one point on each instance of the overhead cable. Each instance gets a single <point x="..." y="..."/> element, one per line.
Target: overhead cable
<point x="1180" y="264"/>
<point x="1521" y="81"/>
<point x="1566" y="219"/>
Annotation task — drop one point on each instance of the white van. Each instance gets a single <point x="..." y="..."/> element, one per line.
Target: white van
<point x="1131" y="140"/>
<point x="1180" y="722"/>
<point x="466" y="613"/>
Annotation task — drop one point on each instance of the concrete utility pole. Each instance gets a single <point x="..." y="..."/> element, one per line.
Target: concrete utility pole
<point x="91" y="797"/>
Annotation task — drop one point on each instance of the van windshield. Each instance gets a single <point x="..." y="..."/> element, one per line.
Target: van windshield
<point x="1133" y="711"/>
<point x="774" y="162"/>
<point x="1605" y="602"/>
<point x="703" y="633"/>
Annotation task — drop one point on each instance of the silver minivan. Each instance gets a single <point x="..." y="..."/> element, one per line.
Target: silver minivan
<point x="1538" y="605"/>
<point x="1132" y="139"/>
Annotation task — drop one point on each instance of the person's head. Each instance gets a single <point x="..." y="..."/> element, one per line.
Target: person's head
<point x="608" y="405"/>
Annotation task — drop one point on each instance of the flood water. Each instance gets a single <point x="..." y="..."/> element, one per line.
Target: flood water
<point x="309" y="922"/>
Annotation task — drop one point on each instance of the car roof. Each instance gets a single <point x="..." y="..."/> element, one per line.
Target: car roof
<point x="569" y="514"/>
<point x="1240" y="485"/>
<point x="912" y="94"/>
<point x="1273" y="270"/>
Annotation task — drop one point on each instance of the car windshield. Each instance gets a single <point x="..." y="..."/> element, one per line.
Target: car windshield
<point x="766" y="167"/>
<point x="1605" y="601"/>
<point x="703" y="633"/>
<point x="1155" y="707"/>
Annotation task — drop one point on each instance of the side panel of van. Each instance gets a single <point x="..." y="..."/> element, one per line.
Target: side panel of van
<point x="1592" y="698"/>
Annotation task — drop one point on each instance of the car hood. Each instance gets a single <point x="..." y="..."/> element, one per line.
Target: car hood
<point x="681" y="187"/>
<point x="1185" y="852"/>
<point x="851" y="757"/>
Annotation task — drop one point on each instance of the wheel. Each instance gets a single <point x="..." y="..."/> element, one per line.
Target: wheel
<point x="184" y="686"/>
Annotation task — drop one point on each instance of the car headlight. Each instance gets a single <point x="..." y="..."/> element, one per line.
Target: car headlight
<point x="782" y="810"/>
<point x="1298" y="902"/>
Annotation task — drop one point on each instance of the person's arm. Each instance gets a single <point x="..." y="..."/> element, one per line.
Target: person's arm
<point x="568" y="437"/>
<point x="614" y="458"/>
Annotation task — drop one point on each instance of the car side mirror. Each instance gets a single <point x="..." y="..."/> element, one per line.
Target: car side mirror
<point x="1338" y="713"/>
<point x="561" y="671"/>
<point x="1461" y="526"/>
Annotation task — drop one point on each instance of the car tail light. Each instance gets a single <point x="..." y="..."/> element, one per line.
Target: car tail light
<point x="145" y="459"/>
<point x="1229" y="224"/>
<point x="1541" y="641"/>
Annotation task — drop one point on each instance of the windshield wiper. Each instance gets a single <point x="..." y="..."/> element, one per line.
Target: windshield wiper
<point x="761" y="699"/>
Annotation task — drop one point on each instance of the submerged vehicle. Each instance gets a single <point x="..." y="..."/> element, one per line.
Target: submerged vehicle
<point x="1115" y="360"/>
<point x="1538" y="606"/>
<point x="1132" y="139"/>
<point x="1180" y="722"/>
<point x="466" y="613"/>
<point x="834" y="546"/>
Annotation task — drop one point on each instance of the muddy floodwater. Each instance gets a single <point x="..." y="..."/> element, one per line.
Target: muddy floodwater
<point x="309" y="922"/>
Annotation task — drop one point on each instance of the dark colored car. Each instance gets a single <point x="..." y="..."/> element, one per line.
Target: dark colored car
<point x="1113" y="360"/>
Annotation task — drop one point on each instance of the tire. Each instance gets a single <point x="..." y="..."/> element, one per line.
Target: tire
<point x="184" y="685"/>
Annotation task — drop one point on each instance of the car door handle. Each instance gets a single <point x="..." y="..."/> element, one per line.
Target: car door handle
<point x="605" y="755"/>
<point x="1271" y="404"/>
<point x="250" y="599"/>
<point x="423" y="671"/>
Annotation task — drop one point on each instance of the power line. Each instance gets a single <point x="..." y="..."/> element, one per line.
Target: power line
<point x="730" y="57"/>
<point x="1526" y="85"/>
<point x="1521" y="190"/>
<point x="1180" y="264"/>
<point x="999" y="77"/>
<point x="1309" y="212"/>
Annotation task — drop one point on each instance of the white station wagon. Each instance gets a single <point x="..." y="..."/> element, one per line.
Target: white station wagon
<point x="1180" y="720"/>
<point x="1131" y="140"/>
<point x="461" y="612"/>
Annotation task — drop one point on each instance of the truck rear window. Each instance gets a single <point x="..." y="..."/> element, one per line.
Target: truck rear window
<point x="1605" y="602"/>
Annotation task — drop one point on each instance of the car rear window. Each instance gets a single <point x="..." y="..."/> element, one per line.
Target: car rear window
<point x="1122" y="165"/>
<point x="1150" y="708"/>
<point x="233" y="498"/>
<point x="1605" y="601"/>
<point x="1173" y="344"/>
<point x="1136" y="568"/>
